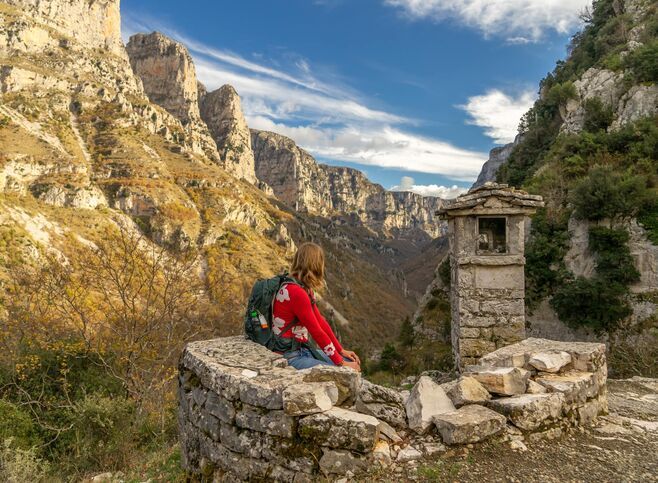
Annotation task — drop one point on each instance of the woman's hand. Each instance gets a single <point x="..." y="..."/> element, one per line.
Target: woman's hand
<point x="351" y="355"/>
<point x="355" y="366"/>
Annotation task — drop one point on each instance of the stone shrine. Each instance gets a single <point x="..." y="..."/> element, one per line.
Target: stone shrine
<point x="486" y="230"/>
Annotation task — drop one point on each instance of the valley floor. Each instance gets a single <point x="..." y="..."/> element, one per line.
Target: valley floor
<point x="620" y="447"/>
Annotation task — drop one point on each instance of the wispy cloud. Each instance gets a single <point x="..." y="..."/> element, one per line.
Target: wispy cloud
<point x="519" y="21"/>
<point x="325" y="117"/>
<point x="499" y="113"/>
<point x="407" y="183"/>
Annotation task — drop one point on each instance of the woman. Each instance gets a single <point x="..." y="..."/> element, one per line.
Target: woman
<point x="295" y="304"/>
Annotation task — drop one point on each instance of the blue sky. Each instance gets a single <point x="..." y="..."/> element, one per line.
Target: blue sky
<point x="420" y="89"/>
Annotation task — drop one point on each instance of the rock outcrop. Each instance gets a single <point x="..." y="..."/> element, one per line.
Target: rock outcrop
<point x="300" y="182"/>
<point x="96" y="24"/>
<point x="497" y="157"/>
<point x="169" y="78"/>
<point x="222" y="112"/>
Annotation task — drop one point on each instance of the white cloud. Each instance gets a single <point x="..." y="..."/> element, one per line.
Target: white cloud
<point x="512" y="19"/>
<point x="325" y="117"/>
<point x="407" y="183"/>
<point x="499" y="113"/>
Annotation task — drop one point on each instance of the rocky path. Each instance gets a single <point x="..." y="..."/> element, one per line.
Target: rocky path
<point x="620" y="447"/>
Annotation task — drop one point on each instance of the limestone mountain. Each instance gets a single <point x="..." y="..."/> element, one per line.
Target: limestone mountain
<point x="298" y="180"/>
<point x="588" y="145"/>
<point x="95" y="135"/>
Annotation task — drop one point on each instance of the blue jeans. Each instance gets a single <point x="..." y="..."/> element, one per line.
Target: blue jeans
<point x="303" y="359"/>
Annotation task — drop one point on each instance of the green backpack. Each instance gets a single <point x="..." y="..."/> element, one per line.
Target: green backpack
<point x="258" y="318"/>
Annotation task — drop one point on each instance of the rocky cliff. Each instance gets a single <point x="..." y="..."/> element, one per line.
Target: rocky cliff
<point x="588" y="146"/>
<point x="222" y="112"/>
<point x="88" y="146"/>
<point x="298" y="180"/>
<point x="95" y="23"/>
<point x="497" y="157"/>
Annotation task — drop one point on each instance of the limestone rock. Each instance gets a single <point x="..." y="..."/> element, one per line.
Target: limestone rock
<point x="529" y="411"/>
<point x="276" y="423"/>
<point x="577" y="387"/>
<point x="383" y="403"/>
<point x="469" y="424"/>
<point x="341" y="428"/>
<point x="222" y="112"/>
<point x="427" y="400"/>
<point x="497" y="156"/>
<point x="535" y="388"/>
<point x="309" y="398"/>
<point x="388" y="433"/>
<point x="382" y="453"/>
<point x="167" y="72"/>
<point x="640" y="101"/>
<point x="466" y="390"/>
<point x="303" y="184"/>
<point x="408" y="454"/>
<point x="93" y="24"/>
<point x="550" y="361"/>
<point x="340" y="462"/>
<point x="505" y="381"/>
<point x="346" y="380"/>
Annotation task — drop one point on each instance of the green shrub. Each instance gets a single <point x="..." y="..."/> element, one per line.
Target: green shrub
<point x="18" y="465"/>
<point x="407" y="336"/>
<point x="544" y="269"/>
<point x="614" y="262"/>
<point x="391" y="360"/>
<point x="598" y="116"/>
<point x="643" y="62"/>
<point x="606" y="193"/>
<point x="17" y="424"/>
<point x="596" y="303"/>
<point x="444" y="272"/>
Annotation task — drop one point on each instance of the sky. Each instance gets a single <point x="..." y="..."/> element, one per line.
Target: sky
<point x="412" y="92"/>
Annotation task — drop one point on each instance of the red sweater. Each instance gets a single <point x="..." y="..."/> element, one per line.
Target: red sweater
<point x="292" y="302"/>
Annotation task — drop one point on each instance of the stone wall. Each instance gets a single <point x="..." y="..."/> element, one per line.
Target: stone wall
<point x="245" y="415"/>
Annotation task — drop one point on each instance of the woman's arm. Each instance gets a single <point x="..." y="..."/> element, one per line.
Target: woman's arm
<point x="327" y="328"/>
<point x="303" y="310"/>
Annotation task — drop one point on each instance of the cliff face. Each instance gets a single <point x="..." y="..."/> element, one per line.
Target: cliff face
<point x="299" y="181"/>
<point x="96" y="24"/>
<point x="222" y="112"/>
<point x="497" y="157"/>
<point x="86" y="146"/>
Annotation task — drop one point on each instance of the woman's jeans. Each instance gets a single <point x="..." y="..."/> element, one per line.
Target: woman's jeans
<point x="303" y="359"/>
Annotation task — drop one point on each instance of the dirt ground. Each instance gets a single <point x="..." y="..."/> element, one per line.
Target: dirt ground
<point x="619" y="447"/>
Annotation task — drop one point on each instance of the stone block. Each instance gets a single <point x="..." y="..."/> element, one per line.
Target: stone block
<point x="427" y="400"/>
<point x="408" y="454"/>
<point x="266" y="390"/>
<point x="503" y="307"/>
<point x="309" y="398"/>
<point x="276" y="422"/>
<point x="500" y="277"/>
<point x="347" y="381"/>
<point x="577" y="387"/>
<point x="339" y="462"/>
<point x="290" y="454"/>
<point x="382" y="453"/>
<point x="477" y="321"/>
<point x="209" y="425"/>
<point x="469" y="424"/>
<point x="535" y="388"/>
<point x="241" y="441"/>
<point x="341" y="428"/>
<point x="220" y="407"/>
<point x="529" y="411"/>
<point x="466" y="390"/>
<point x="381" y="402"/>
<point x="388" y="433"/>
<point x="550" y="361"/>
<point x="475" y="347"/>
<point x="471" y="333"/>
<point x="506" y="381"/>
<point x="590" y="410"/>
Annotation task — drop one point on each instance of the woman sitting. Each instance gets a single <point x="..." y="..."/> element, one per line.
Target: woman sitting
<point x="296" y="316"/>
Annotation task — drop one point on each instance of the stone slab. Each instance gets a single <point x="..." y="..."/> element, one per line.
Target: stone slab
<point x="427" y="400"/>
<point x="309" y="398"/>
<point x="530" y="411"/>
<point x="469" y="424"/>
<point x="466" y="390"/>
<point x="341" y="428"/>
<point x="577" y="387"/>
<point x="506" y="381"/>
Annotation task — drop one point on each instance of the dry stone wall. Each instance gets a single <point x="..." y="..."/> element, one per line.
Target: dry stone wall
<point x="245" y="415"/>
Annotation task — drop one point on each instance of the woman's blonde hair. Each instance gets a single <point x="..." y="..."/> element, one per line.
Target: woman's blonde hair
<point x="308" y="265"/>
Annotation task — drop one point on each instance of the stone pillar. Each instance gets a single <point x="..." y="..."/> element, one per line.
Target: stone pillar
<point x="486" y="230"/>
